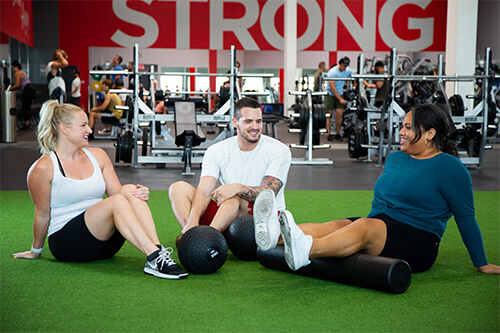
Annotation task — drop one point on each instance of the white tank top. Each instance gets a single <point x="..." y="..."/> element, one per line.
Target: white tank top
<point x="70" y="197"/>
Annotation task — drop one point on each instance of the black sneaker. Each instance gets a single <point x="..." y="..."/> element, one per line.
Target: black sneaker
<point x="338" y="137"/>
<point x="330" y="137"/>
<point x="164" y="266"/>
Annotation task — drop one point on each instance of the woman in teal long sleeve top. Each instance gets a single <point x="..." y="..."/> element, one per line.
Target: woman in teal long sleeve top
<point x="421" y="187"/>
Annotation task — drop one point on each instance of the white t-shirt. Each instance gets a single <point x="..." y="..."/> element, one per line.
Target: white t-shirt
<point x="76" y="83"/>
<point x="227" y="163"/>
<point x="123" y="97"/>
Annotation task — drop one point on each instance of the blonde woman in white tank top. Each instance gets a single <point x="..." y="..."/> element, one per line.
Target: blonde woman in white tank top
<point x="67" y="185"/>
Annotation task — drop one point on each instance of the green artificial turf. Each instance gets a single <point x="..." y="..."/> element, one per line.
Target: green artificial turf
<point x="115" y="296"/>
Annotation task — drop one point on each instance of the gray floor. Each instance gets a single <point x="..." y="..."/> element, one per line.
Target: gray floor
<point x="345" y="174"/>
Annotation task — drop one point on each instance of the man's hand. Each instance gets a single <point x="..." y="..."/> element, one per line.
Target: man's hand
<point x="225" y="192"/>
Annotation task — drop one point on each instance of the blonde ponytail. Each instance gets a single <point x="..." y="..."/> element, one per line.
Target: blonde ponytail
<point x="52" y="114"/>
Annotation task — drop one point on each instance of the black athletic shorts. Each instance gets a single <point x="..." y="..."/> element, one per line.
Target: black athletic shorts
<point x="74" y="242"/>
<point x="417" y="247"/>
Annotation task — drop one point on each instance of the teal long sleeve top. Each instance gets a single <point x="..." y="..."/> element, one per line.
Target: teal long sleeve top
<point x="425" y="193"/>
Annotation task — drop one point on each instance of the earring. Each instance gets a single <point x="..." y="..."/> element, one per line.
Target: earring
<point x="427" y="143"/>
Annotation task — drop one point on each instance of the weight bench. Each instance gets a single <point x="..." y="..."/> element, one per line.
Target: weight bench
<point x="188" y="133"/>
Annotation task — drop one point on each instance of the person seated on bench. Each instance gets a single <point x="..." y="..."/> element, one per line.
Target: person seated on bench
<point x="108" y="106"/>
<point x="67" y="185"/>
<point x="421" y="187"/>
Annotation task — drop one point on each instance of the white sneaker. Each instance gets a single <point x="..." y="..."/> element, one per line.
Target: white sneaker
<point x="297" y="244"/>
<point x="265" y="217"/>
<point x="104" y="131"/>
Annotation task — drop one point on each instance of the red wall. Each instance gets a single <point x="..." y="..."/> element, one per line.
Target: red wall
<point x="249" y="25"/>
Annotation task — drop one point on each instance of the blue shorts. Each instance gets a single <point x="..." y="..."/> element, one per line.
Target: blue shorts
<point x="417" y="247"/>
<point x="75" y="243"/>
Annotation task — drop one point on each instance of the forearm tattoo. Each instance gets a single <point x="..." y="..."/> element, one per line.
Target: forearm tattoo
<point x="250" y="192"/>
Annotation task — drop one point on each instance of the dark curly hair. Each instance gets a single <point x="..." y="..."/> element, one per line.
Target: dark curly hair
<point x="427" y="116"/>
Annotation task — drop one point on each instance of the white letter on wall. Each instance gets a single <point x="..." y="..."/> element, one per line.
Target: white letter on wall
<point x="183" y="20"/>
<point x="267" y="18"/>
<point x="140" y="19"/>
<point x="363" y="35"/>
<point x="425" y="25"/>
<point x="240" y="26"/>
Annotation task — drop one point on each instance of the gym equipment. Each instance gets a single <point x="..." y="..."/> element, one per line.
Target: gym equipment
<point x="349" y="95"/>
<point x="202" y="250"/>
<point x="124" y="145"/>
<point x="96" y="86"/>
<point x="428" y="87"/>
<point x="9" y="117"/>
<point x="161" y="146"/>
<point x="319" y="121"/>
<point x="241" y="238"/>
<point x="457" y="105"/>
<point x="360" y="270"/>
<point x="357" y="138"/>
<point x="312" y="120"/>
<point x="190" y="135"/>
<point x="97" y="77"/>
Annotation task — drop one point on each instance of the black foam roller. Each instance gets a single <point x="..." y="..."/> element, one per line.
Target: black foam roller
<point x="361" y="270"/>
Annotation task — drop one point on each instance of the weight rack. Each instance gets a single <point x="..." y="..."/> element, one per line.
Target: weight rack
<point x="162" y="151"/>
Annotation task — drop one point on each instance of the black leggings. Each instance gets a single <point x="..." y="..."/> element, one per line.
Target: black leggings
<point x="26" y="100"/>
<point x="74" y="242"/>
<point x="417" y="247"/>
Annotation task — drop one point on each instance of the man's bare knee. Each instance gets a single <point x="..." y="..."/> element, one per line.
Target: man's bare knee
<point x="180" y="187"/>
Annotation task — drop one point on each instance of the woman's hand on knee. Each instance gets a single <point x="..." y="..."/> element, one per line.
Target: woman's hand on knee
<point x="141" y="192"/>
<point x="131" y="192"/>
<point x="489" y="269"/>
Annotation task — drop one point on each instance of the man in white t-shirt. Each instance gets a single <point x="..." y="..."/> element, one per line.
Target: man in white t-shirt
<point x="244" y="164"/>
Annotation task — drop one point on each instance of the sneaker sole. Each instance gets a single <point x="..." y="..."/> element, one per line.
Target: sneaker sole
<point x="154" y="272"/>
<point x="286" y="232"/>
<point x="261" y="216"/>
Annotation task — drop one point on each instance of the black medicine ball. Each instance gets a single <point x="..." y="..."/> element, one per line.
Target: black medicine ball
<point x="241" y="238"/>
<point x="202" y="250"/>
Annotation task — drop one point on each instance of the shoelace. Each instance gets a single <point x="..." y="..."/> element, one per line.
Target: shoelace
<point x="164" y="257"/>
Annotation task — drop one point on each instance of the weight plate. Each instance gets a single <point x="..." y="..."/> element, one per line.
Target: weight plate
<point x="316" y="137"/>
<point x="145" y="139"/>
<point x="96" y="86"/>
<point x="118" y="146"/>
<point x="127" y="146"/>
<point x="457" y="105"/>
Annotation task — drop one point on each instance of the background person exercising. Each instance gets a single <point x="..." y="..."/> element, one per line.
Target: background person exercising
<point x="244" y="164"/>
<point x="382" y="85"/>
<point x="22" y="81"/>
<point x="117" y="60"/>
<point x="108" y="106"/>
<point x="334" y="100"/>
<point x="53" y="73"/>
<point x="318" y="76"/>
